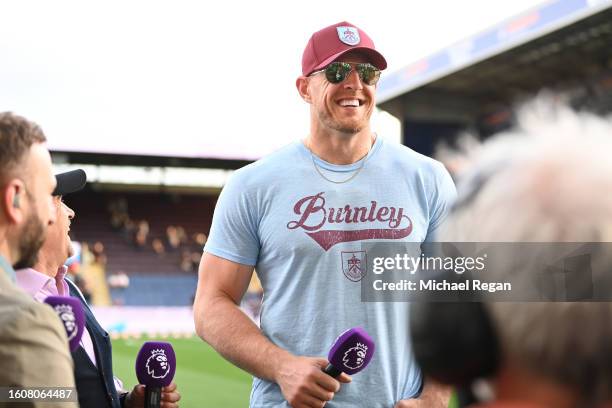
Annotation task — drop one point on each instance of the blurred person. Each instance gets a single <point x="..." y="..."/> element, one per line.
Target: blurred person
<point x="76" y="275"/>
<point x="119" y="281"/>
<point x="98" y="253"/>
<point x="118" y="220"/>
<point x="93" y="367"/>
<point x="33" y="346"/>
<point x="129" y="230"/>
<point x="186" y="263"/>
<point x="139" y="239"/>
<point x="195" y="260"/>
<point x="118" y="205"/>
<point x="172" y="238"/>
<point x="87" y="256"/>
<point x="200" y="239"/>
<point x="142" y="234"/>
<point x="118" y="209"/>
<point x="305" y="208"/>
<point x="547" y="181"/>
<point x="182" y="235"/>
<point x="158" y="247"/>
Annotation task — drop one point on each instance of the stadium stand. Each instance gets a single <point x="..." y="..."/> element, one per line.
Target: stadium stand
<point x="562" y="46"/>
<point x="140" y="274"/>
<point x="93" y="224"/>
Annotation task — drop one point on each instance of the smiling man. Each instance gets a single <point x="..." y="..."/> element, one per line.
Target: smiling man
<point x="93" y="365"/>
<point x="299" y="216"/>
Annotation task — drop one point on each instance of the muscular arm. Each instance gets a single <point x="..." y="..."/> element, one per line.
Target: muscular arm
<point x="221" y="323"/>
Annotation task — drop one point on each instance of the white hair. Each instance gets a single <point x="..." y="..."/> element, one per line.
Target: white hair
<point x="555" y="168"/>
<point x="547" y="180"/>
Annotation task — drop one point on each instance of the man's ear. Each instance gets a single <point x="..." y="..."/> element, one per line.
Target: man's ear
<point x="11" y="198"/>
<point x="302" y="86"/>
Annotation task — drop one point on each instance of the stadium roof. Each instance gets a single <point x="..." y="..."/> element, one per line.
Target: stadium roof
<point x="552" y="45"/>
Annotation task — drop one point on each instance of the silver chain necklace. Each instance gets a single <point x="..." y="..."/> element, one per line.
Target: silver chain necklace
<point x="352" y="176"/>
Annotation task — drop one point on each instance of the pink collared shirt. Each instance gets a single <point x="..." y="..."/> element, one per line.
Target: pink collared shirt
<point x="39" y="286"/>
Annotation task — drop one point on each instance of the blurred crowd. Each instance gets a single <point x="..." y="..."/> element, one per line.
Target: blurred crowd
<point x="144" y="237"/>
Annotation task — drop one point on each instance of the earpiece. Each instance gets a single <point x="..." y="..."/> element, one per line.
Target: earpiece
<point x="16" y="200"/>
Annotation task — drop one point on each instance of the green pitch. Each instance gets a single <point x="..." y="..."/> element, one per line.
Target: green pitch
<point x="204" y="379"/>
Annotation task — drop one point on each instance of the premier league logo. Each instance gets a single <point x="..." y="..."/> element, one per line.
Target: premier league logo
<point x="355" y="356"/>
<point x="157" y="364"/>
<point x="348" y="35"/>
<point x="67" y="315"/>
<point x="354" y="265"/>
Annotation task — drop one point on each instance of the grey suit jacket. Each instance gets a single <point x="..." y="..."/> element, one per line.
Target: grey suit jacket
<point x="33" y="346"/>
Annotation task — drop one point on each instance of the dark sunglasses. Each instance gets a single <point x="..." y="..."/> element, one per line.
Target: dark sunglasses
<point x="337" y="72"/>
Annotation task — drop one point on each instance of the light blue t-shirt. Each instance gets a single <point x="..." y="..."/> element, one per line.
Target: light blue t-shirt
<point x="297" y="228"/>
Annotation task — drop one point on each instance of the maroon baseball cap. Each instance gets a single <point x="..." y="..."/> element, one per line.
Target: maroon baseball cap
<point x="328" y="44"/>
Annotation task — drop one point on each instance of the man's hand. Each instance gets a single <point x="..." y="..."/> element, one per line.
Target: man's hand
<point x="433" y="396"/>
<point x="305" y="385"/>
<point x="170" y="397"/>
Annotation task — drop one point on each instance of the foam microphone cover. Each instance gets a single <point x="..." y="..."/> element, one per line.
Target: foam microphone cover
<point x="155" y="364"/>
<point x="351" y="352"/>
<point x="70" y="312"/>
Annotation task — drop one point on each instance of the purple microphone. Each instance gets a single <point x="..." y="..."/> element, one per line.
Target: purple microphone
<point x="350" y="353"/>
<point x="155" y="367"/>
<point x="70" y="312"/>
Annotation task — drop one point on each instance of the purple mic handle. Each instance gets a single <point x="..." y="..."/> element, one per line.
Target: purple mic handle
<point x="70" y="312"/>
<point x="350" y="353"/>
<point x="155" y="368"/>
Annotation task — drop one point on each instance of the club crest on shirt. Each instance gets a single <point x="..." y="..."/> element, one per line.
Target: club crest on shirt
<point x="348" y="35"/>
<point x="157" y="364"/>
<point x="354" y="264"/>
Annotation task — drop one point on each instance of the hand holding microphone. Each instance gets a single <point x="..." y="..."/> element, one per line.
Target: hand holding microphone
<point x="155" y="368"/>
<point x="70" y="312"/>
<point x="350" y="353"/>
<point x="303" y="382"/>
<point x="169" y="397"/>
<point x="308" y="381"/>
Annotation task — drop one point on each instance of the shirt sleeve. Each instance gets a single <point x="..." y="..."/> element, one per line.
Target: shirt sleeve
<point x="443" y="196"/>
<point x="234" y="231"/>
